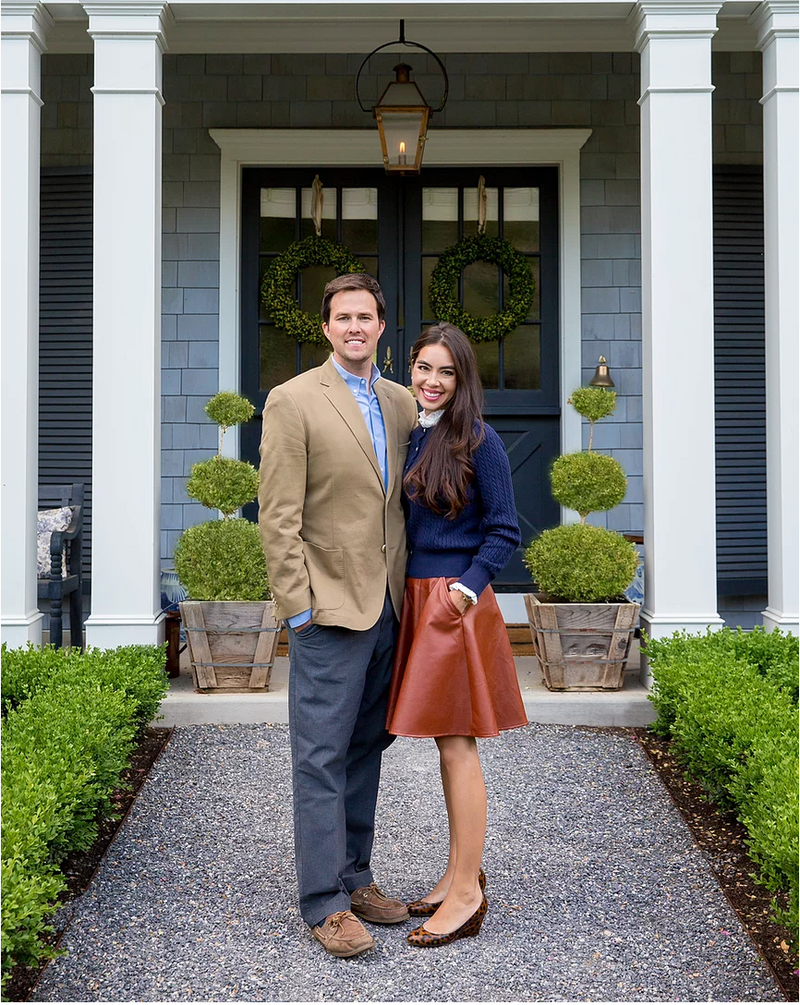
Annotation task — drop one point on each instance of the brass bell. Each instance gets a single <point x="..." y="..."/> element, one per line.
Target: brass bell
<point x="602" y="377"/>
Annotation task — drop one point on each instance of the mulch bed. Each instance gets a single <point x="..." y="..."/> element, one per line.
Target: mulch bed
<point x="79" y="869"/>
<point x="722" y="839"/>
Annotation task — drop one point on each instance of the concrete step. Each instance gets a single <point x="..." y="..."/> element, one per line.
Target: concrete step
<point x="629" y="706"/>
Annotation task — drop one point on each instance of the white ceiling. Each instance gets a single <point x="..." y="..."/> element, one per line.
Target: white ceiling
<point x="360" y="26"/>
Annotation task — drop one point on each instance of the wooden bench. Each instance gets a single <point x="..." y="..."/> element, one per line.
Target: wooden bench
<point x="64" y="582"/>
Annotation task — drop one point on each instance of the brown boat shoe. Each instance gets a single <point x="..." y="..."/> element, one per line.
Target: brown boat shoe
<point x="372" y="904"/>
<point x="342" y="934"/>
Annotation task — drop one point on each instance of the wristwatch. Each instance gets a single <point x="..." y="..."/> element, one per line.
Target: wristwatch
<point x="469" y="594"/>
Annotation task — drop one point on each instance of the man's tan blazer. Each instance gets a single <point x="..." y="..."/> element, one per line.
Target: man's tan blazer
<point x="331" y="533"/>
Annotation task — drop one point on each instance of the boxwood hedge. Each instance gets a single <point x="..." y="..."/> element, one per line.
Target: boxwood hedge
<point x="728" y="699"/>
<point x="70" y="722"/>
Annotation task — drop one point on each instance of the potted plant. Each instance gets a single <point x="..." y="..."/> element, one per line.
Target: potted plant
<point x="581" y="622"/>
<point x="229" y="619"/>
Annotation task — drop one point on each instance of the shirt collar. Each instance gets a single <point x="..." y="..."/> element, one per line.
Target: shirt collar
<point x="352" y="381"/>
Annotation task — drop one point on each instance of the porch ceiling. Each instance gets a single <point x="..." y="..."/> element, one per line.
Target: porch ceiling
<point x="467" y="26"/>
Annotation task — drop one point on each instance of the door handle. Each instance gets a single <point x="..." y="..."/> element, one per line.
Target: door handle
<point x="388" y="362"/>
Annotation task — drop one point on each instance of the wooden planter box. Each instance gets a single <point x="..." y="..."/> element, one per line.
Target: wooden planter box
<point x="581" y="647"/>
<point x="231" y="645"/>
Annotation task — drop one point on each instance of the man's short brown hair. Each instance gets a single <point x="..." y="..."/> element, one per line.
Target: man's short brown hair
<point x="352" y="281"/>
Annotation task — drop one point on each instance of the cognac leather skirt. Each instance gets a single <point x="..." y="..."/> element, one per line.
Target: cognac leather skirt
<point x="454" y="674"/>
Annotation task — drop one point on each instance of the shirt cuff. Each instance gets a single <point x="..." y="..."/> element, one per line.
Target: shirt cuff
<point x="299" y="619"/>
<point x="469" y="594"/>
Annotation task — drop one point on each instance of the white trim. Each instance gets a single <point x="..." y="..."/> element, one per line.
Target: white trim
<point x="445" y="148"/>
<point x="777" y="90"/>
<point x="130" y="90"/>
<point x="673" y="90"/>
<point x="24" y="90"/>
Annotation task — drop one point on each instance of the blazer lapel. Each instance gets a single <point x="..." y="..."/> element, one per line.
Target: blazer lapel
<point x="389" y="413"/>
<point x="341" y="397"/>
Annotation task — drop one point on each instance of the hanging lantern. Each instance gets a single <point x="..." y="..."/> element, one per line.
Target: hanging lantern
<point x="402" y="113"/>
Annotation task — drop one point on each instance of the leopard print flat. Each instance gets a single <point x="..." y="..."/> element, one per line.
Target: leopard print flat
<point x="425" y="908"/>
<point x="430" y="940"/>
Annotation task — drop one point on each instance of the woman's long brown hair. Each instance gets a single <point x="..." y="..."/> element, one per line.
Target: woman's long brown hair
<point x="441" y="477"/>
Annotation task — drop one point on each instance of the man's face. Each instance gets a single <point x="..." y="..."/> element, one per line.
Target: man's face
<point x="353" y="328"/>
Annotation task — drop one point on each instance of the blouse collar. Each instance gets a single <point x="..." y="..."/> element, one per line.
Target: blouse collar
<point x="428" y="421"/>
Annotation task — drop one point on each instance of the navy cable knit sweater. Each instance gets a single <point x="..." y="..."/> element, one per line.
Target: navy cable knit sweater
<point x="479" y="542"/>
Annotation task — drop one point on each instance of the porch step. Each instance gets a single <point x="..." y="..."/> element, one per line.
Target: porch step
<point x="183" y="706"/>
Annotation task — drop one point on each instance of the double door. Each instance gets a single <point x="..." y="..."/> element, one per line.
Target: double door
<point x="398" y="227"/>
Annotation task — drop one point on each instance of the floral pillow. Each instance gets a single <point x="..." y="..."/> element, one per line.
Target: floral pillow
<point x="50" y="520"/>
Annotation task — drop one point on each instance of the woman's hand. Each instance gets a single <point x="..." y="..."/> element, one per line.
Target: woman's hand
<point x="462" y="602"/>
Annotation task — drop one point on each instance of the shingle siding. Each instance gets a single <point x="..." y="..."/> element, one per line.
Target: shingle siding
<point x="512" y="90"/>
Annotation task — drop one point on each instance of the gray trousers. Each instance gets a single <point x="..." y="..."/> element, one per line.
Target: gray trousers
<point x="338" y="691"/>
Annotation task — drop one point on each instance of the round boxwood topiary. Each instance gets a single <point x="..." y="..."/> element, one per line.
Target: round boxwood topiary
<point x="593" y="403"/>
<point x="588" y="482"/>
<point x="222" y="560"/>
<point x="223" y="483"/>
<point x="582" y="564"/>
<point x="229" y="409"/>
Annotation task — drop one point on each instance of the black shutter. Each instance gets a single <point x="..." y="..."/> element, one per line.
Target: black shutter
<point x="739" y="372"/>
<point x="65" y="337"/>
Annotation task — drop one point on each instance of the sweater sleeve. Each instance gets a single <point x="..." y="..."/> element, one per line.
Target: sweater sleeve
<point x="499" y="523"/>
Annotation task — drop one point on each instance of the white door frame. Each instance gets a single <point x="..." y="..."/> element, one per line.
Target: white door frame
<point x="445" y="148"/>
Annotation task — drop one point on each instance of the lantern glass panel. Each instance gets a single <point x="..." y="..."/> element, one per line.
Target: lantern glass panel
<point x="400" y="133"/>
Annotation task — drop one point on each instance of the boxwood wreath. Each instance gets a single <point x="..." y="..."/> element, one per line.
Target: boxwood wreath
<point x="276" y="287"/>
<point x="443" y="285"/>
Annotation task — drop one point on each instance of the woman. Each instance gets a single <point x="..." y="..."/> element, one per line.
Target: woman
<point x="454" y="677"/>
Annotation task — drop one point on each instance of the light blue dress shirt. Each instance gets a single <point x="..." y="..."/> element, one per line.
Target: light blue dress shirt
<point x="370" y="408"/>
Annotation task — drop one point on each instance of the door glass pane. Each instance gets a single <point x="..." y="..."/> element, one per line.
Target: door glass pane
<point x="481" y="288"/>
<point x="428" y="265"/>
<point x="277" y="355"/>
<point x="328" y="214"/>
<point x="277" y="218"/>
<point x="370" y="265"/>
<point x="312" y="355"/>
<point x="488" y="356"/>
<point x="536" y="307"/>
<point x="471" y="212"/>
<point x="313" y="281"/>
<point x="522" y="359"/>
<point x="521" y="218"/>
<point x="439" y="218"/>
<point x="360" y="220"/>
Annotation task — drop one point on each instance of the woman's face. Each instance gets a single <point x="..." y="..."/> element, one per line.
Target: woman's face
<point x="433" y="378"/>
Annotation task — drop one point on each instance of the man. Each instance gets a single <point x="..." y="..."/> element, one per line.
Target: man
<point x="333" y="448"/>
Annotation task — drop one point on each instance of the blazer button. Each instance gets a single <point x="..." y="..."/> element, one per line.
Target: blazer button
<point x="383" y="548"/>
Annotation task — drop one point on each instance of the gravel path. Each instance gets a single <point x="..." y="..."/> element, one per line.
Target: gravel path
<point x="596" y="889"/>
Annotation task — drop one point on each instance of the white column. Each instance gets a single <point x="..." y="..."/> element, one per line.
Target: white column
<point x="126" y="439"/>
<point x="24" y="27"/>
<point x="776" y="22"/>
<point x="674" y="40"/>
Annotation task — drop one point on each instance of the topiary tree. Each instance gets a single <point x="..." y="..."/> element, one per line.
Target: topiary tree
<point x="579" y="563"/>
<point x="223" y="559"/>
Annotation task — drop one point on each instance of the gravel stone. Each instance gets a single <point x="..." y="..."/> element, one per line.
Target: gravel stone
<point x="597" y="891"/>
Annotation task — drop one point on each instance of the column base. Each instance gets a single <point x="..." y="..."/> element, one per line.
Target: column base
<point x="777" y="619"/>
<point x="18" y="632"/>
<point x="662" y="626"/>
<point x="109" y="633"/>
